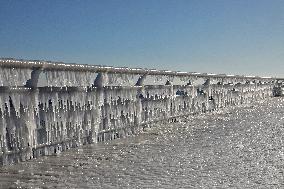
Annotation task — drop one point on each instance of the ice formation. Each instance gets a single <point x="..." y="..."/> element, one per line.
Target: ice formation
<point x="69" y="78"/>
<point x="121" y="79"/>
<point x="72" y="109"/>
<point x="14" y="77"/>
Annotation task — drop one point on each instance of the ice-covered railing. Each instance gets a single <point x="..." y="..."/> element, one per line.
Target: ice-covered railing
<point x="47" y="107"/>
<point x="27" y="66"/>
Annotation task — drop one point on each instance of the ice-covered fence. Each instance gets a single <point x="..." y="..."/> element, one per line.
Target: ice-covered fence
<point x="48" y="107"/>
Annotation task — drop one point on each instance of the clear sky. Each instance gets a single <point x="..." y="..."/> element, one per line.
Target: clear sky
<point x="215" y="36"/>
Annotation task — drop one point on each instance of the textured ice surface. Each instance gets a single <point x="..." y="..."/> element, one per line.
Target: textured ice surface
<point x="64" y="109"/>
<point x="48" y="111"/>
<point x="235" y="148"/>
<point x="70" y="78"/>
<point x="51" y="116"/>
<point x="121" y="79"/>
<point x="14" y="77"/>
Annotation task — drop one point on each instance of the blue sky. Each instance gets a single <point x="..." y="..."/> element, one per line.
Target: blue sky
<point x="216" y="36"/>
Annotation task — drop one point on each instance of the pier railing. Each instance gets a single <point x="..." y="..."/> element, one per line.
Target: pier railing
<point x="48" y="107"/>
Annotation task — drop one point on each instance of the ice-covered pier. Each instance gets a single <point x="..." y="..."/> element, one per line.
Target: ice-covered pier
<point x="48" y="107"/>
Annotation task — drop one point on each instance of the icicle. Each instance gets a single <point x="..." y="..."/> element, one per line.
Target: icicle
<point x="157" y="92"/>
<point x="122" y="79"/>
<point x="70" y="78"/>
<point x="4" y="100"/>
<point x="14" y="76"/>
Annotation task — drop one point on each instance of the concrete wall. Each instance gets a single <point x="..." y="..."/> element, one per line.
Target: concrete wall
<point x="46" y="108"/>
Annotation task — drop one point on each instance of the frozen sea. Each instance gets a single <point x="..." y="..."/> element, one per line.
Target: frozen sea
<point x="240" y="147"/>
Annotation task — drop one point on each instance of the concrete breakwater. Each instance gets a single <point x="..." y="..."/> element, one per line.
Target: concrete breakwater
<point x="49" y="107"/>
